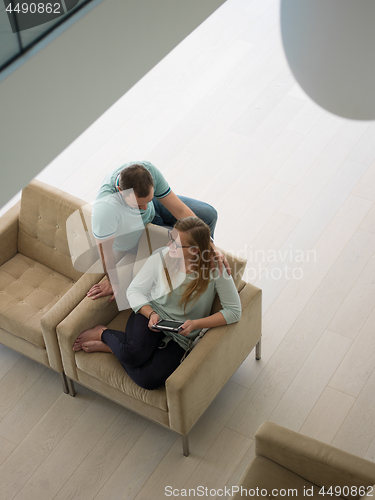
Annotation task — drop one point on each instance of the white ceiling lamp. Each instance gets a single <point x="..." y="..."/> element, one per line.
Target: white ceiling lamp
<point x="330" y="48"/>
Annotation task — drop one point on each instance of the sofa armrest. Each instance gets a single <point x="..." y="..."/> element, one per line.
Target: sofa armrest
<point x="205" y="371"/>
<point x="9" y="233"/>
<point x="87" y="314"/>
<point x="318" y="462"/>
<point x="61" y="310"/>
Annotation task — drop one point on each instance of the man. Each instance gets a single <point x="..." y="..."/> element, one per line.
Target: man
<point x="129" y="198"/>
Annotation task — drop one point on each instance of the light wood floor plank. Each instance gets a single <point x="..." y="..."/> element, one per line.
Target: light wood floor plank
<point x="364" y="152"/>
<point x="358" y="304"/>
<point x="322" y="170"/>
<point x="327" y="415"/>
<point x="294" y="297"/>
<point x="304" y="156"/>
<point x="31" y="407"/>
<point x="318" y="260"/>
<point x="358" y="430"/>
<point x="8" y="358"/>
<point x="40" y="442"/>
<point x="366" y="187"/>
<point x="139" y="464"/>
<point x="6" y="448"/>
<point x="306" y="119"/>
<point x="291" y="354"/>
<point x="297" y="91"/>
<point x="254" y="164"/>
<point x="175" y="468"/>
<point x="263" y="105"/>
<point x="368" y="222"/>
<point x="68" y="454"/>
<point x="16" y="382"/>
<point x="370" y="454"/>
<point x="220" y="461"/>
<point x="310" y="381"/>
<point x="192" y="126"/>
<point x="259" y="213"/>
<point x="235" y="478"/>
<point x="313" y="224"/>
<point x="267" y="244"/>
<point x="104" y="458"/>
<point x="356" y="367"/>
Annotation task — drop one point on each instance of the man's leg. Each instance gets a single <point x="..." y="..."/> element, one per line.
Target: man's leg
<point x="204" y="211"/>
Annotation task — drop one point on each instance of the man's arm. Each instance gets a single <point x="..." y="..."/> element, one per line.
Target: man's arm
<point x="105" y="288"/>
<point x="176" y="207"/>
<point x="179" y="210"/>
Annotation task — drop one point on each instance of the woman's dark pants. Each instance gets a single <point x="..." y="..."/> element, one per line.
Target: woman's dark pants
<point x="138" y="352"/>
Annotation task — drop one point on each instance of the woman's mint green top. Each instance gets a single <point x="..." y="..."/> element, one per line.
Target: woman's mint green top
<point x="150" y="286"/>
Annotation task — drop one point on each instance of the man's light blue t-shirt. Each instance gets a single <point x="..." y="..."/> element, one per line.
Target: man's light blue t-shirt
<point x="111" y="216"/>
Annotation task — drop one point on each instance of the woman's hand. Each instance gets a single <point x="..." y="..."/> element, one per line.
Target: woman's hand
<point x="188" y="327"/>
<point x="154" y="318"/>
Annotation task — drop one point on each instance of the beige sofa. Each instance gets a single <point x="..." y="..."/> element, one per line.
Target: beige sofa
<point x="198" y="379"/>
<point x="289" y="464"/>
<point x="38" y="284"/>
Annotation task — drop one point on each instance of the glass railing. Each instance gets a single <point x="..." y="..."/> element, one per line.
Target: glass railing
<point x="25" y="23"/>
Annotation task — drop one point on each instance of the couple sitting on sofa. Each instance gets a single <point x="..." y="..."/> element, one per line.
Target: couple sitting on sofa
<point x="177" y="283"/>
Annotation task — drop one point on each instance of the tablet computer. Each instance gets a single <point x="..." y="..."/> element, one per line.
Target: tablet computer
<point x="168" y="324"/>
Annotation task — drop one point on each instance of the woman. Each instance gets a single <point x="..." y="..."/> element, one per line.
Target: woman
<point x="176" y="283"/>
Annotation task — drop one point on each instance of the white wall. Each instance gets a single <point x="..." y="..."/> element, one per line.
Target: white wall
<point x="59" y="91"/>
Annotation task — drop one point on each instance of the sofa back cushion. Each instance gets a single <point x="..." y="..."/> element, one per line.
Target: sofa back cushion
<point x="42" y="226"/>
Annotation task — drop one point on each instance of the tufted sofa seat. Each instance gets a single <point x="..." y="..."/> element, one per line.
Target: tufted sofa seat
<point x="38" y="283"/>
<point x="29" y="289"/>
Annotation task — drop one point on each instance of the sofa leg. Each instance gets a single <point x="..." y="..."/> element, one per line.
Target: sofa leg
<point x="185" y="445"/>
<point x="64" y="383"/>
<point x="72" y="390"/>
<point x="258" y="350"/>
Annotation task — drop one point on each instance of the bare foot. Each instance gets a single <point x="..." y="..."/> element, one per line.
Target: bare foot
<point x="87" y="335"/>
<point x="95" y="346"/>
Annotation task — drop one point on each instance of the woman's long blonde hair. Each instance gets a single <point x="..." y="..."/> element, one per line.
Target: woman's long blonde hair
<point x="198" y="237"/>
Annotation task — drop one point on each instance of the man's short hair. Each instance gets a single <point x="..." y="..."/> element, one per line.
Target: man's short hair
<point x="138" y="178"/>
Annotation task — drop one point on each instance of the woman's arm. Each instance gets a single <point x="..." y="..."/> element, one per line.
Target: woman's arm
<point x="143" y="282"/>
<point x="216" y="319"/>
<point x="153" y="316"/>
<point x="230" y="302"/>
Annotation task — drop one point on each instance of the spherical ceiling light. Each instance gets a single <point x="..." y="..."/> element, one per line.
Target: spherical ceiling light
<point x="330" y="48"/>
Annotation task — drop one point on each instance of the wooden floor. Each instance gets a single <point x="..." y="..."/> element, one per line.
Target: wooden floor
<point x="223" y="119"/>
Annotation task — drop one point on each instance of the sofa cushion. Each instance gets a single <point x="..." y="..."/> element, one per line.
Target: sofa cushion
<point x="42" y="232"/>
<point x="28" y="290"/>
<point x="106" y="368"/>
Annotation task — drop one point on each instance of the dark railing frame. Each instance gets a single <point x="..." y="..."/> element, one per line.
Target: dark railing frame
<point x="23" y="49"/>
